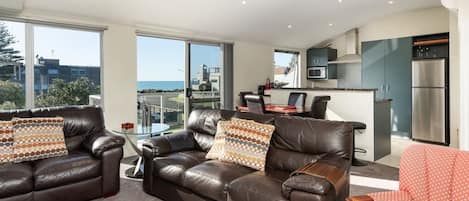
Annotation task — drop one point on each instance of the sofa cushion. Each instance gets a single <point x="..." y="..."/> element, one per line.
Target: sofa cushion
<point x="59" y="171"/>
<point x="203" y="124"/>
<point x="210" y="179"/>
<point x="6" y="141"/>
<point x="247" y="143"/>
<point x="216" y="152"/>
<point x="256" y="186"/>
<point x="313" y="136"/>
<point x="172" y="166"/>
<point x="79" y="120"/>
<point x="38" y="138"/>
<point x="15" y="179"/>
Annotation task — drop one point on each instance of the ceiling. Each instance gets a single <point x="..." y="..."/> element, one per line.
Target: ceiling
<point x="263" y="21"/>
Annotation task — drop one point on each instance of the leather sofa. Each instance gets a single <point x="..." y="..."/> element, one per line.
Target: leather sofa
<point x="175" y="167"/>
<point x="89" y="171"/>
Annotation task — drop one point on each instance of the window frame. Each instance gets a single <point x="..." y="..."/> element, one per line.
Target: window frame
<point x="29" y="54"/>
<point x="297" y="82"/>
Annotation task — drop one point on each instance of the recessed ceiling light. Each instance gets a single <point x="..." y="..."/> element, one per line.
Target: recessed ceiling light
<point x="330" y="24"/>
<point x="390" y="2"/>
<point x="244" y="2"/>
<point x="289" y="26"/>
<point x="340" y="1"/>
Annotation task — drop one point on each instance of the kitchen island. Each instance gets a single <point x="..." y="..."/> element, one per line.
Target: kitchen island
<point x="352" y="104"/>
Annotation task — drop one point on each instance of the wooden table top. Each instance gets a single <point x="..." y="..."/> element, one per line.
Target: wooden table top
<point x="281" y="109"/>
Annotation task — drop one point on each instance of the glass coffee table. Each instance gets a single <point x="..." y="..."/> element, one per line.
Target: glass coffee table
<point x="136" y="139"/>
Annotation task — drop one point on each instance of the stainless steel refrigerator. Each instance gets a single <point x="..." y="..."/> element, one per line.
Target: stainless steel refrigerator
<point x="429" y="101"/>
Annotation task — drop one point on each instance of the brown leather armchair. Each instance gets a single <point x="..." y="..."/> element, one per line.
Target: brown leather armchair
<point x="89" y="171"/>
<point x="308" y="159"/>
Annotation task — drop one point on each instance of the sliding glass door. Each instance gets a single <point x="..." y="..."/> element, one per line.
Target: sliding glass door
<point x="175" y="77"/>
<point x="205" y="77"/>
<point x="160" y="81"/>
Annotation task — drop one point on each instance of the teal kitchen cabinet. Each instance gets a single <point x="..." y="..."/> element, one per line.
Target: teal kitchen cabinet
<point x="373" y="54"/>
<point x="387" y="65"/>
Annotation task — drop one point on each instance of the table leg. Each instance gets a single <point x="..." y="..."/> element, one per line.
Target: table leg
<point x="135" y="172"/>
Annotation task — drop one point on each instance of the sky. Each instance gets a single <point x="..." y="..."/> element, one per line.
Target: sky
<point x="157" y="59"/>
<point x="72" y="47"/>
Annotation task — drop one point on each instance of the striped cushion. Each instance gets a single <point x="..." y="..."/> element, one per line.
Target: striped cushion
<point x="6" y="141"/>
<point x="247" y="143"/>
<point x="38" y="138"/>
<point x="216" y="152"/>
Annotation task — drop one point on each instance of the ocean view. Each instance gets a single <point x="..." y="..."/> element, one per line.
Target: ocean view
<point x="163" y="85"/>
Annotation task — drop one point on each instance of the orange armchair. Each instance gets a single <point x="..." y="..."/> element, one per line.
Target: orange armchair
<point x="428" y="172"/>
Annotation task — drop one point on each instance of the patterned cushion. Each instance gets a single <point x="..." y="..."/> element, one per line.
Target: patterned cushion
<point x="247" y="143"/>
<point x="216" y="152"/>
<point x="38" y="138"/>
<point x="6" y="141"/>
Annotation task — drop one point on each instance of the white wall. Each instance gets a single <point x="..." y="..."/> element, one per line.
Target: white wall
<point x="454" y="80"/>
<point x="463" y="23"/>
<point x="254" y="63"/>
<point x="412" y="23"/>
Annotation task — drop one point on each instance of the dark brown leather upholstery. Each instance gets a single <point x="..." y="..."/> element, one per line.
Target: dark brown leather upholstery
<point x="173" y="166"/>
<point x="176" y="170"/>
<point x="89" y="171"/>
<point x="60" y="171"/>
<point x="211" y="178"/>
<point x="255" y="187"/>
<point x="15" y="179"/>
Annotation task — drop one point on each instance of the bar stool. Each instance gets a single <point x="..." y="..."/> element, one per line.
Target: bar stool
<point x="357" y="126"/>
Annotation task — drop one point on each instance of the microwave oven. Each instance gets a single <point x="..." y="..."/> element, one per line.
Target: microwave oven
<point x="318" y="72"/>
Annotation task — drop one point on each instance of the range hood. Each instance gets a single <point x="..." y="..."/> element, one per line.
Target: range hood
<point x="351" y="43"/>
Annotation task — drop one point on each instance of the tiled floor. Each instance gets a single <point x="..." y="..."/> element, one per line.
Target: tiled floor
<point x="398" y="145"/>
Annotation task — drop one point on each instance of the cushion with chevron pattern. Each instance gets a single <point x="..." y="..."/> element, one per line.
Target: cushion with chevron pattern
<point x="247" y="143"/>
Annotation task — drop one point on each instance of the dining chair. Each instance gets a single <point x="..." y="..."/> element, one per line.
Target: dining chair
<point x="297" y="99"/>
<point x="319" y="107"/>
<point x="242" y="99"/>
<point x="255" y="103"/>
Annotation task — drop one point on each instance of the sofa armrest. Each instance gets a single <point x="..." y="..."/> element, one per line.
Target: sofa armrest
<point x="180" y="141"/>
<point x="329" y="173"/>
<point x="98" y="144"/>
<point x="360" y="198"/>
<point x="159" y="146"/>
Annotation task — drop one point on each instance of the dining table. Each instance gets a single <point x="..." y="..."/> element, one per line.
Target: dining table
<point x="280" y="109"/>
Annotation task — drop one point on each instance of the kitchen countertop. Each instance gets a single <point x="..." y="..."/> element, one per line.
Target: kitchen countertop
<point x="330" y="89"/>
<point x="383" y="100"/>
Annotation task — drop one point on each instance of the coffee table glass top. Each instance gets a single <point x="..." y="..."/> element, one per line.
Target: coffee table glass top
<point x="154" y="129"/>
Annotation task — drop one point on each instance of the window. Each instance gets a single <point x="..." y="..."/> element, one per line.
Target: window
<point x="12" y="68"/>
<point x="286" y="70"/>
<point x="62" y="66"/>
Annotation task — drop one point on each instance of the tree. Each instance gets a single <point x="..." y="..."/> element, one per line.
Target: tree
<point x="61" y="93"/>
<point x="12" y="95"/>
<point x="9" y="57"/>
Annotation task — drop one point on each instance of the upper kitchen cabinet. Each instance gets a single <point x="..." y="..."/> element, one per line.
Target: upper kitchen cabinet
<point x="387" y="66"/>
<point x="320" y="56"/>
